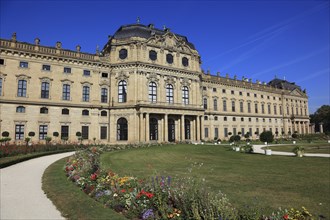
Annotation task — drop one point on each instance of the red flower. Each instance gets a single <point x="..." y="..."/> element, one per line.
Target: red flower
<point x="93" y="176"/>
<point x="286" y="216"/>
<point x="123" y="190"/>
<point x="144" y="193"/>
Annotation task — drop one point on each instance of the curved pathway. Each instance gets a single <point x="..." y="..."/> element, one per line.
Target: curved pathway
<point x="21" y="196"/>
<point x="257" y="149"/>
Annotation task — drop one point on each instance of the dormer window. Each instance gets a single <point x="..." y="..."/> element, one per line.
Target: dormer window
<point x="153" y="55"/>
<point x="185" y="61"/>
<point x="169" y="58"/>
<point x="123" y="54"/>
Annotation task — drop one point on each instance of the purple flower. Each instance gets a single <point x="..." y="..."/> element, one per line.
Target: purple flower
<point x="148" y="214"/>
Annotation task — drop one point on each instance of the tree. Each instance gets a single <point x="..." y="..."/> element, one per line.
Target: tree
<point x="31" y="134"/>
<point x="55" y="134"/>
<point x="322" y="115"/>
<point x="267" y="136"/>
<point x="235" y="138"/>
<point x="5" y="134"/>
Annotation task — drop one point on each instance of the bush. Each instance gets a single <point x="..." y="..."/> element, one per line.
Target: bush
<point x="235" y="138"/>
<point x="267" y="136"/>
<point x="5" y="134"/>
<point x="31" y="134"/>
<point x="294" y="135"/>
<point x="78" y="134"/>
<point x="56" y="134"/>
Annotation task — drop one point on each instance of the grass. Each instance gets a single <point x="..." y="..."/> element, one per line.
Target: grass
<point x="247" y="179"/>
<point x="69" y="199"/>
<point x="8" y="161"/>
<point x="309" y="148"/>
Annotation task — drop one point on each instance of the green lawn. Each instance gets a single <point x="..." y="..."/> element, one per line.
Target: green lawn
<point x="321" y="148"/>
<point x="247" y="179"/>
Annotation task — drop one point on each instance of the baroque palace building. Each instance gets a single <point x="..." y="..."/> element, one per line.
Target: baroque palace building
<point x="146" y="85"/>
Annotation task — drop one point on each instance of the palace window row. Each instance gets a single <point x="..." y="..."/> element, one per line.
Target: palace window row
<point x="123" y="54"/>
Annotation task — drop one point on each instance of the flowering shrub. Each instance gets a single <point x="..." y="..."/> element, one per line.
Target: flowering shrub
<point x="157" y="198"/>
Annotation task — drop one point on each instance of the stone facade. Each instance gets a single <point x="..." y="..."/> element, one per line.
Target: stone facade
<point x="146" y="85"/>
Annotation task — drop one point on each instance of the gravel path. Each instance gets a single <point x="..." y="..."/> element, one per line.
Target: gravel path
<point x="257" y="149"/>
<point x="21" y="196"/>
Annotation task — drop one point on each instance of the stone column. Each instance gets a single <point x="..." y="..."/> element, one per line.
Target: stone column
<point x="147" y="128"/>
<point x="202" y="128"/>
<point x="165" y="127"/>
<point x="141" y="127"/>
<point x="198" y="128"/>
<point x="321" y="127"/>
<point x="182" y="128"/>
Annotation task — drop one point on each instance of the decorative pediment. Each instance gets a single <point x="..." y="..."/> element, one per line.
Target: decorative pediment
<point x="185" y="82"/>
<point x="296" y="92"/>
<point x="45" y="79"/>
<point x="170" y="42"/>
<point x="122" y="76"/>
<point x="152" y="77"/>
<point x="66" y="81"/>
<point x="86" y="83"/>
<point x="170" y="80"/>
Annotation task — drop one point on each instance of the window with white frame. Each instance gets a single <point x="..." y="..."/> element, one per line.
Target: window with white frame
<point x="19" y="132"/>
<point x="85" y="94"/>
<point x="185" y="95"/>
<point x="66" y="92"/>
<point x="45" y="90"/>
<point x="43" y="129"/>
<point x="169" y="93"/>
<point x="152" y="92"/>
<point x="21" y="88"/>
<point x="104" y="95"/>
<point x="122" y="91"/>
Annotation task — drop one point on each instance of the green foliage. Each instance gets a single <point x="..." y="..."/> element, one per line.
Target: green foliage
<point x="322" y="115"/>
<point x="48" y="139"/>
<point x="294" y="135"/>
<point x="55" y="134"/>
<point x="78" y="134"/>
<point x="235" y="138"/>
<point x="267" y="136"/>
<point x="31" y="134"/>
<point x="5" y="134"/>
<point x="247" y="135"/>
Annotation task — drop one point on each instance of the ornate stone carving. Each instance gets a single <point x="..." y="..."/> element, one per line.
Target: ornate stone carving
<point x="122" y="76"/>
<point x="152" y="77"/>
<point x="169" y="80"/>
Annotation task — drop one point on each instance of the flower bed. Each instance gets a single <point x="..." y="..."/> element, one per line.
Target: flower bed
<point x="158" y="197"/>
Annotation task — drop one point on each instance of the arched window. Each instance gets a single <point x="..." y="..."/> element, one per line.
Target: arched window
<point x="215" y="104"/>
<point x="43" y="110"/>
<point x="104" y="95"/>
<point x="185" y="95"/>
<point x="122" y="130"/>
<point x="45" y="90"/>
<point x="153" y="125"/>
<point x="205" y="103"/>
<point x="169" y="93"/>
<point x="104" y="113"/>
<point x="122" y="91"/>
<point x="65" y="111"/>
<point x="20" y="109"/>
<point x="85" y="94"/>
<point x="21" y="88"/>
<point x="187" y="129"/>
<point x="152" y="92"/>
<point x="85" y="112"/>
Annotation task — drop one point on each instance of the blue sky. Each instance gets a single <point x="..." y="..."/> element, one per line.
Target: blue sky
<point x="254" y="39"/>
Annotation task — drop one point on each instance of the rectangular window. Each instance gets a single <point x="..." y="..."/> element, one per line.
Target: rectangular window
<point x="23" y="64"/>
<point x="224" y="118"/>
<point x="104" y="131"/>
<point x="206" y="132"/>
<point x="234" y="118"/>
<point x="2" y="62"/>
<point x="257" y="119"/>
<point x="85" y="94"/>
<point x="242" y="119"/>
<point x="21" y="90"/>
<point x="84" y="132"/>
<point x="280" y="110"/>
<point x="44" y="90"/>
<point x="224" y="105"/>
<point x="67" y="70"/>
<point x="46" y="67"/>
<point x="204" y="88"/>
<point x="205" y="103"/>
<point x="255" y="95"/>
<point x="233" y="106"/>
<point x="249" y="107"/>
<point x="269" y="111"/>
<point x="223" y="91"/>
<point x="232" y="92"/>
<point x="234" y="131"/>
<point x="87" y="72"/>
<point x="250" y="120"/>
<point x="257" y="131"/>
<point x="0" y="86"/>
<point x="19" y="132"/>
<point x="250" y="132"/>
<point x="214" y="89"/>
<point x="215" y="104"/>
<point x="225" y="132"/>
<point x="248" y="94"/>
<point x="275" y="110"/>
<point x="66" y="92"/>
<point x="240" y="93"/>
<point x="241" y="106"/>
<point x="216" y="132"/>
<point x="105" y="75"/>
<point x="104" y="95"/>
<point x="64" y="132"/>
<point x="262" y="108"/>
<point x="43" y="129"/>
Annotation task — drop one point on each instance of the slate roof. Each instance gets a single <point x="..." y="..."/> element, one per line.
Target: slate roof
<point x="143" y="31"/>
<point x="283" y="84"/>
